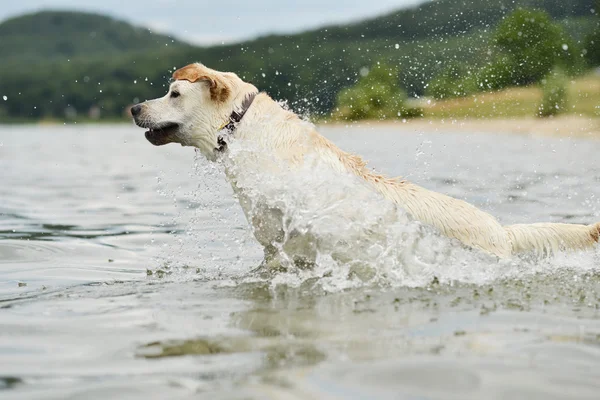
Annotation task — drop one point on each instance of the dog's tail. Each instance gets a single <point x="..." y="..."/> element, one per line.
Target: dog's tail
<point x="551" y="238"/>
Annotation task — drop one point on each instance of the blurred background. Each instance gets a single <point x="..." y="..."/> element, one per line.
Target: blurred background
<point x="65" y="60"/>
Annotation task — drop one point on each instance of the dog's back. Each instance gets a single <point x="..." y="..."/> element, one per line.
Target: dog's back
<point x="460" y="220"/>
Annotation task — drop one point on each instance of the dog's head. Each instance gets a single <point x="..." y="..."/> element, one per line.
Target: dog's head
<point x="198" y="102"/>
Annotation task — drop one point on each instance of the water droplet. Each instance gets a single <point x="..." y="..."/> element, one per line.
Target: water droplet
<point x="4" y="98"/>
<point x="565" y="47"/>
<point x="397" y="46"/>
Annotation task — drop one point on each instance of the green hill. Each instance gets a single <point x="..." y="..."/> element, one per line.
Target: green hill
<point x="445" y="17"/>
<point x="308" y="68"/>
<point x="61" y="34"/>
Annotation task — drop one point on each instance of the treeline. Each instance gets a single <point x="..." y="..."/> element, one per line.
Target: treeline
<point x="308" y="69"/>
<point x="527" y="47"/>
<point x="62" y="35"/>
<point x="524" y="48"/>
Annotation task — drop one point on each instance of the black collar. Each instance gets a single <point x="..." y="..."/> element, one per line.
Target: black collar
<point x="229" y="127"/>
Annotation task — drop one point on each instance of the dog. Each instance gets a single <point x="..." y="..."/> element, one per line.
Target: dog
<point x="212" y="110"/>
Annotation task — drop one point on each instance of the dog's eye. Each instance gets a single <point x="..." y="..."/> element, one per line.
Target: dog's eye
<point x="175" y="94"/>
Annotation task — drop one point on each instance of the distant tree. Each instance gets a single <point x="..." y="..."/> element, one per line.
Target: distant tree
<point x="496" y="75"/>
<point x="376" y="95"/>
<point x="451" y="82"/>
<point x="592" y="42"/>
<point x="554" y="97"/>
<point x="592" y="48"/>
<point x="533" y="44"/>
<point x="525" y="47"/>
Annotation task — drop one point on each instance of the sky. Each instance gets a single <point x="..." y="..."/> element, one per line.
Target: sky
<point x="219" y="21"/>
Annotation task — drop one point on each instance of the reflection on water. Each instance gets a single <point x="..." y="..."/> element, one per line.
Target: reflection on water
<point x="125" y="271"/>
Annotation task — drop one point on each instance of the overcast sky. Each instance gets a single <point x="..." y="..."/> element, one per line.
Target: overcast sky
<point x="216" y="21"/>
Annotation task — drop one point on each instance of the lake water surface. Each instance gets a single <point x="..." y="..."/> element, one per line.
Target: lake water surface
<point x="125" y="273"/>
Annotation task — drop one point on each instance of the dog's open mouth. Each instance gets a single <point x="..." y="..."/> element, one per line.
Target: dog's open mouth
<point x="162" y="134"/>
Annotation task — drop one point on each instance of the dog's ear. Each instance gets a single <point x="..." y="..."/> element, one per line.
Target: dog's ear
<point x="219" y="90"/>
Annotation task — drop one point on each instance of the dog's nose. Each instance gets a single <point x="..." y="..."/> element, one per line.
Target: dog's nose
<point x="135" y="110"/>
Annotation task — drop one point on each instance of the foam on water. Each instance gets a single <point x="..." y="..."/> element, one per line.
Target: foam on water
<point x="355" y="237"/>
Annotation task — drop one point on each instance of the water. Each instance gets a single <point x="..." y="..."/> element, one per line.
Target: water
<point x="125" y="272"/>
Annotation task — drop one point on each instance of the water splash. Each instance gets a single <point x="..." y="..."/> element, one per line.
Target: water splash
<point x="210" y="237"/>
<point x="332" y="232"/>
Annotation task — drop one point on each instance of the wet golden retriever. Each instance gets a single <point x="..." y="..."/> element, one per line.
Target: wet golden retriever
<point x="208" y="109"/>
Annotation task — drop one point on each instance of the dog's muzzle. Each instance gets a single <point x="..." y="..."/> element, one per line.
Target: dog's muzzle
<point x="163" y="134"/>
<point x="157" y="134"/>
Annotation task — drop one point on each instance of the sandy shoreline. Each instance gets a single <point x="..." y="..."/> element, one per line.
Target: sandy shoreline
<point x="559" y="126"/>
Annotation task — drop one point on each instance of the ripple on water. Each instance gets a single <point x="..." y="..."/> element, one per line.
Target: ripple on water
<point x="24" y="251"/>
<point x="28" y="266"/>
<point x="435" y="378"/>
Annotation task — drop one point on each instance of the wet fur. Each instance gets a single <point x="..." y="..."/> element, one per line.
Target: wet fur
<point x="292" y="140"/>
